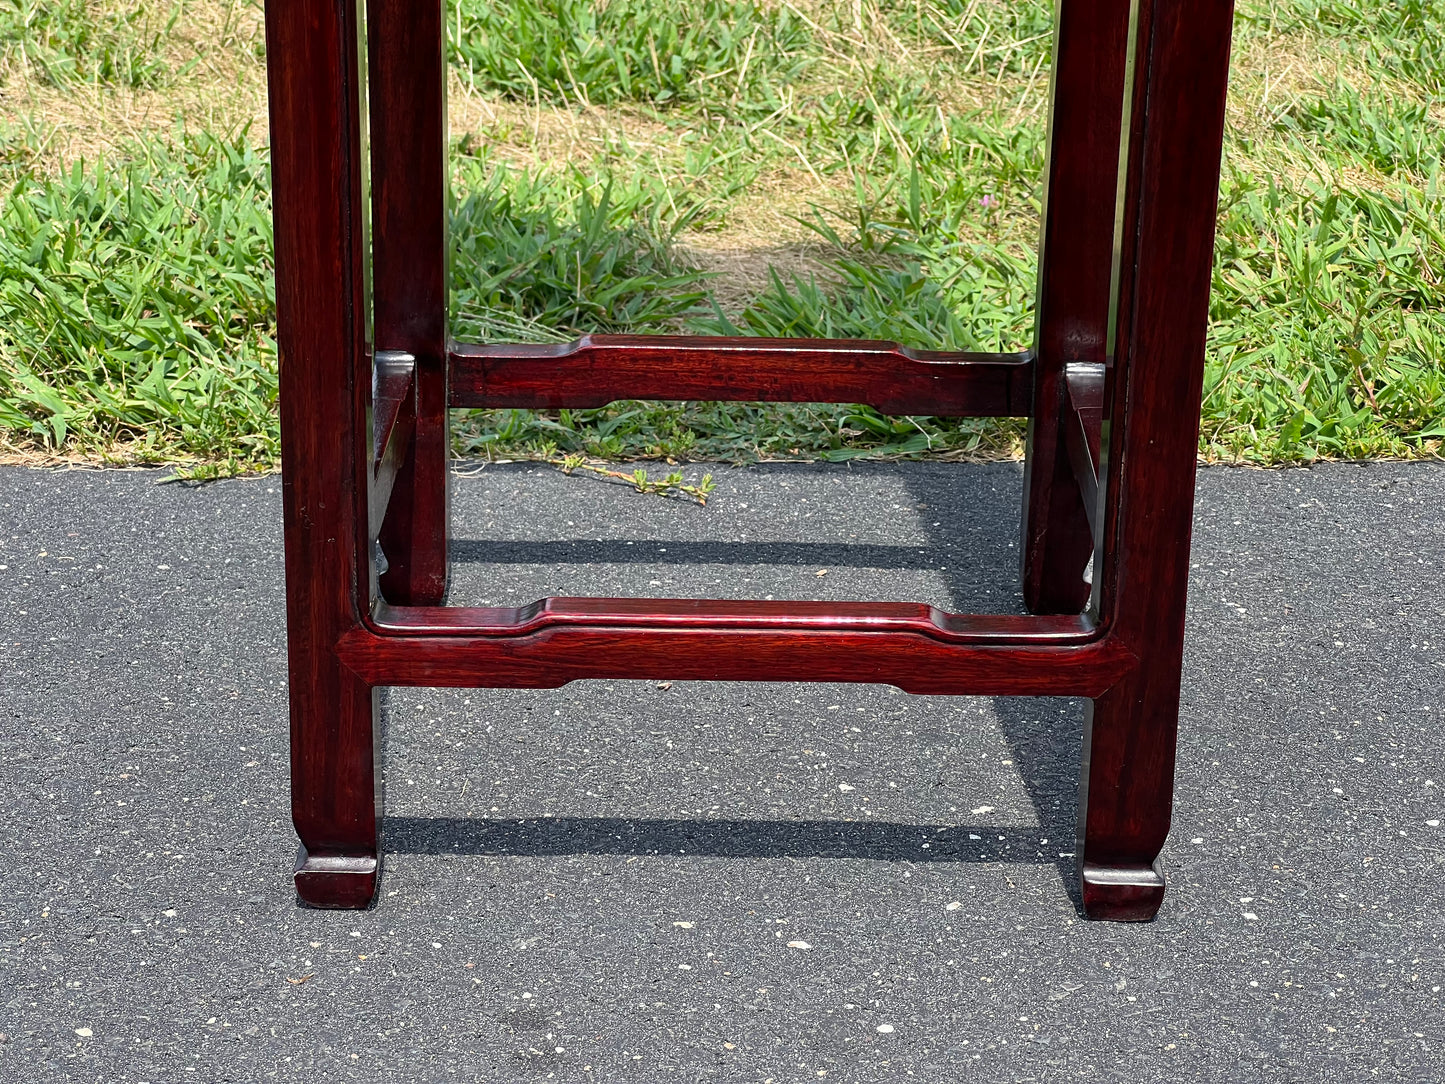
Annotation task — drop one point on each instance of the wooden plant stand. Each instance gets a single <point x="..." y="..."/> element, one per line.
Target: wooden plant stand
<point x="1112" y="390"/>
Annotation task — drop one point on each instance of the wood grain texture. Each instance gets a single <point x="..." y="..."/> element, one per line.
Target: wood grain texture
<point x="746" y="614"/>
<point x="409" y="195"/>
<point x="600" y="369"/>
<point x="747" y="651"/>
<point x="1175" y="139"/>
<point x="1124" y="421"/>
<point x="1076" y="259"/>
<point x="914" y="646"/>
<point x="314" y="76"/>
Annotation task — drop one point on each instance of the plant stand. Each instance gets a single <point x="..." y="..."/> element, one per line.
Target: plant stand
<point x="1111" y="388"/>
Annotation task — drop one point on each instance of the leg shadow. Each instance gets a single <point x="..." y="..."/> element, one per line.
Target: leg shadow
<point x="971" y="514"/>
<point x="537" y="837"/>
<point x="1045" y="737"/>
<point x="1044" y="734"/>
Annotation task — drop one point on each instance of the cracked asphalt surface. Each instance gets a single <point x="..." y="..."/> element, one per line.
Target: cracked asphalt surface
<point x="703" y="882"/>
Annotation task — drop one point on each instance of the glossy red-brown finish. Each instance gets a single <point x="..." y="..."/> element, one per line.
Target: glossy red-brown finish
<point x="656" y="651"/>
<point x="1076" y="256"/>
<point x="913" y="646"/>
<point x="393" y="404"/>
<point x="1113" y="396"/>
<point x="409" y="191"/>
<point x="1175" y="136"/>
<point x="739" y="615"/>
<point x="326" y="458"/>
<point x="598" y="369"/>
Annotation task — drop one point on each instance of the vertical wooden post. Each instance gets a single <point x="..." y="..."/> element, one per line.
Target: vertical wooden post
<point x="1176" y="130"/>
<point x="409" y="189"/>
<point x="1075" y="258"/>
<point x="316" y="163"/>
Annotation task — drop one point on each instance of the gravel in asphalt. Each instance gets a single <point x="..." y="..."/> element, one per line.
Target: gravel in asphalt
<point x="632" y="881"/>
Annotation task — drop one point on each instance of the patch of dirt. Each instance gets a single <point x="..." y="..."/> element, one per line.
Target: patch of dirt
<point x="1272" y="75"/>
<point x="742" y="273"/>
<point x="217" y="82"/>
<point x="543" y="134"/>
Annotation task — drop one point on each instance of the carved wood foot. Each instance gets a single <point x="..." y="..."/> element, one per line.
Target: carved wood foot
<point x="336" y="881"/>
<point x="1121" y="893"/>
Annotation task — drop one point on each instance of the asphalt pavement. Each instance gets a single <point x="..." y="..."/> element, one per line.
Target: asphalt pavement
<point x="752" y="883"/>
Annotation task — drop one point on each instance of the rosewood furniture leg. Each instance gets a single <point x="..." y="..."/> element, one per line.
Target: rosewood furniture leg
<point x="1175" y="132"/>
<point x="336" y="787"/>
<point x="407" y="81"/>
<point x="1075" y="260"/>
<point x="316" y="152"/>
<point x="1117" y="398"/>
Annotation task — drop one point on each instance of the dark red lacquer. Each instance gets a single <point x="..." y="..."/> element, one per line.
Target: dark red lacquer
<point x="1112" y="392"/>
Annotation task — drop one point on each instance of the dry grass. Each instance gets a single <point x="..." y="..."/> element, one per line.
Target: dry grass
<point x="216" y="81"/>
<point x="779" y="170"/>
<point x="1271" y="75"/>
<point x="739" y="263"/>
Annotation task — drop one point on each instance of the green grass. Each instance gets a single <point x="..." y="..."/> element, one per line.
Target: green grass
<point x="898" y="144"/>
<point x="1390" y="135"/>
<point x="136" y="307"/>
<point x="1401" y="38"/>
<point x="720" y="51"/>
<point x="601" y="261"/>
<point x="1328" y="330"/>
<point x="62" y="42"/>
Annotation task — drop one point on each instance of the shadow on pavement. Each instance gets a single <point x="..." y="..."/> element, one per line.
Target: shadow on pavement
<point x="550" y="836"/>
<point x="975" y="539"/>
<point x="617" y="551"/>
